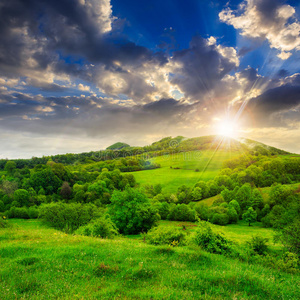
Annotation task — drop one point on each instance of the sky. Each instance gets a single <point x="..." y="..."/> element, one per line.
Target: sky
<point x="80" y="75"/>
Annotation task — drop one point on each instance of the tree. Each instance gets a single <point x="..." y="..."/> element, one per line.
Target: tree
<point x="290" y="236"/>
<point x="257" y="199"/>
<point x="235" y="205"/>
<point x="232" y="214"/>
<point x="66" y="190"/>
<point x="250" y="215"/>
<point x="10" y="167"/>
<point x="22" y="196"/>
<point x="45" y="179"/>
<point x="243" y="196"/>
<point x="196" y="194"/>
<point x="132" y="212"/>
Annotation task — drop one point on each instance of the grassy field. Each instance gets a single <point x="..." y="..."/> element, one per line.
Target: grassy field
<point x="42" y="263"/>
<point x="180" y="168"/>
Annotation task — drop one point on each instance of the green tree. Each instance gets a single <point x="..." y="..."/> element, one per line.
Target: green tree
<point x="250" y="215"/>
<point x="132" y="212"/>
<point x="232" y="214"/>
<point x="196" y="194"/>
<point x="290" y="236"/>
<point x="66" y="190"/>
<point x="10" y="167"/>
<point x="235" y="205"/>
<point x="22" y="197"/>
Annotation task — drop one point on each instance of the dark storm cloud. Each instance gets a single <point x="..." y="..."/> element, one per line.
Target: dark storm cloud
<point x="40" y="30"/>
<point x="166" y="107"/>
<point x="277" y="107"/>
<point x="278" y="99"/>
<point x="89" y="115"/>
<point x="282" y="73"/>
<point x="202" y="66"/>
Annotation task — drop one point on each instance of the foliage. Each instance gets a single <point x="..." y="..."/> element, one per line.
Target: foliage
<point x="45" y="179"/>
<point x="132" y="212"/>
<point x="10" y="167"/>
<point x="258" y="244"/>
<point x="211" y="241"/>
<point x="118" y="146"/>
<point x="22" y="197"/>
<point x="68" y="217"/>
<point x="289" y="236"/>
<point x="101" y="227"/>
<point x="166" y="236"/>
<point x="250" y="216"/>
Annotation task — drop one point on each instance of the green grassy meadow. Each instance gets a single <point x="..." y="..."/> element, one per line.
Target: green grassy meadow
<point x="179" y="168"/>
<point x="42" y="263"/>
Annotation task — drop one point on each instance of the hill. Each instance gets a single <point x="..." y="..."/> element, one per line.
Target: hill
<point x="160" y="148"/>
<point x="261" y="148"/>
<point x="42" y="263"/>
<point x="118" y="146"/>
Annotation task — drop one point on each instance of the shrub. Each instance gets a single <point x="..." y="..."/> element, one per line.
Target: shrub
<point x="132" y="212"/>
<point x="166" y="236"/>
<point x="33" y="212"/>
<point x="290" y="236"/>
<point x="102" y="227"/>
<point x="17" y="212"/>
<point x="68" y="217"/>
<point x="212" y="241"/>
<point x="258" y="244"/>
<point x="220" y="219"/>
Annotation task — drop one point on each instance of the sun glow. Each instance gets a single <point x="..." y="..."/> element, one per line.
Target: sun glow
<point x="227" y="128"/>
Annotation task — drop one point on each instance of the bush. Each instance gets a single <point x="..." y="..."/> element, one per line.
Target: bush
<point x="289" y="236"/>
<point x="166" y="236"/>
<point x="258" y="244"/>
<point x="33" y="212"/>
<point x="212" y="241"/>
<point x="68" y="217"/>
<point x="132" y="212"/>
<point x="101" y="227"/>
<point x="17" y="212"/>
<point x="220" y="219"/>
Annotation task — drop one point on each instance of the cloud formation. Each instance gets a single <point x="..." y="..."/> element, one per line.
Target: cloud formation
<point x="67" y="70"/>
<point x="266" y="19"/>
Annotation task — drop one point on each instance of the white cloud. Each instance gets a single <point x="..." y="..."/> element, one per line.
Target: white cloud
<point x="276" y="23"/>
<point x="84" y="88"/>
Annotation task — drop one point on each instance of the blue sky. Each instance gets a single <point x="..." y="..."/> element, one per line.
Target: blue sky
<point x="79" y="75"/>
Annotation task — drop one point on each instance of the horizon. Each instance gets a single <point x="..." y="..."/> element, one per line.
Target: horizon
<point x="84" y="74"/>
<point x="138" y="146"/>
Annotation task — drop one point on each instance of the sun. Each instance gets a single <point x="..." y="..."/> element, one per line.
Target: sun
<point x="227" y="128"/>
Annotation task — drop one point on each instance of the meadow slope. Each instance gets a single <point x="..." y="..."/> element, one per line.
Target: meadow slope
<point x="42" y="263"/>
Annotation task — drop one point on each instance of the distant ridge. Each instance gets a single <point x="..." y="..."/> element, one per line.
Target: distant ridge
<point x="167" y="144"/>
<point x="118" y="146"/>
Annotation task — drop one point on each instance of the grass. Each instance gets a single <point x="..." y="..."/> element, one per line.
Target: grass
<point x="179" y="168"/>
<point x="42" y="263"/>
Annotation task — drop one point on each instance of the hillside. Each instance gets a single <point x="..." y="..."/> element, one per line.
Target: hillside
<point x="118" y="146"/>
<point x="42" y="263"/>
<point x="159" y="148"/>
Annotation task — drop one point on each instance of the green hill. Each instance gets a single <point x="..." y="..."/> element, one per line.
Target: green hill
<point x="42" y="263"/>
<point x="117" y="146"/>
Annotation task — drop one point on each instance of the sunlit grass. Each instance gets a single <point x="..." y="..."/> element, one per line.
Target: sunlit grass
<point x="42" y="263"/>
<point x="184" y="168"/>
